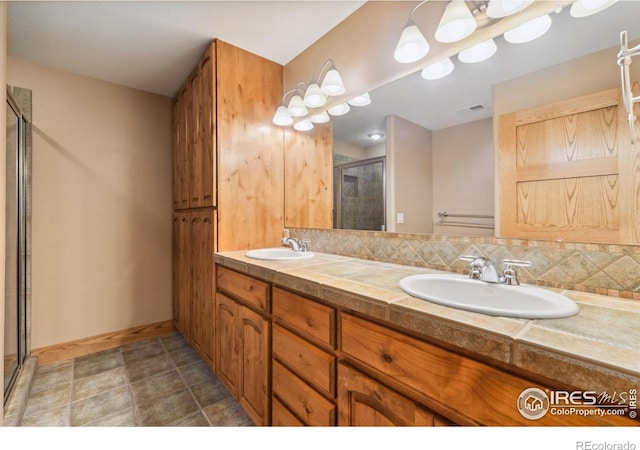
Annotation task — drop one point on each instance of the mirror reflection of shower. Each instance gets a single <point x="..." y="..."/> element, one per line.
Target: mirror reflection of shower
<point x="359" y="193"/>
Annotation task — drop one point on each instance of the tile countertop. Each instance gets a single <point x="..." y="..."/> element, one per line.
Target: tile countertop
<point x="598" y="349"/>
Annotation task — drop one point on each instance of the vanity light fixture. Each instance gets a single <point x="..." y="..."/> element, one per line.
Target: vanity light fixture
<point x="624" y="61"/>
<point x="310" y="95"/>
<point x="412" y="45"/>
<point x="584" y="8"/>
<point x="529" y="31"/>
<point x="479" y="52"/>
<point x="503" y="8"/>
<point x="456" y="23"/>
<point x="438" y="69"/>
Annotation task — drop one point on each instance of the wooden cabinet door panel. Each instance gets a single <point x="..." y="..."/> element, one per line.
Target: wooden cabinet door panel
<point x="282" y="417"/>
<point x="201" y="268"/>
<point x="310" y="318"/>
<point x="182" y="302"/>
<point x="207" y="128"/>
<point x="311" y="407"/>
<point x="254" y="359"/>
<point x="565" y="172"/>
<point x="243" y="287"/>
<point x="363" y="401"/>
<point x="227" y="350"/>
<point x="316" y="366"/>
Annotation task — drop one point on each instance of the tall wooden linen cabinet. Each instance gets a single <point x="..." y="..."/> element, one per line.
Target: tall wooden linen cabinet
<point x="228" y="178"/>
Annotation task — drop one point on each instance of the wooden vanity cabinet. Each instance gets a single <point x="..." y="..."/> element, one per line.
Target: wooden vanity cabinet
<point x="304" y="361"/>
<point x="243" y="331"/>
<point x="466" y="391"/>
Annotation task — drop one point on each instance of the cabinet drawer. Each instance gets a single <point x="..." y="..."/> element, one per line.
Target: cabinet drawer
<point x="282" y="417"/>
<point x="314" y="365"/>
<point x="243" y="287"/>
<point x="481" y="393"/>
<point x="303" y="400"/>
<point x="311" y="319"/>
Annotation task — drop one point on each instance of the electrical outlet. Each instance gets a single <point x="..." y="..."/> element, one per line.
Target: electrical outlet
<point x="400" y="218"/>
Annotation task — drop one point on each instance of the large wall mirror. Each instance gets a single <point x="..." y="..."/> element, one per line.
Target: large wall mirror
<point x="423" y="151"/>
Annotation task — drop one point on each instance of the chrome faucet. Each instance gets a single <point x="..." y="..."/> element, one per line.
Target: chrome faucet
<point x="296" y="246"/>
<point x="484" y="269"/>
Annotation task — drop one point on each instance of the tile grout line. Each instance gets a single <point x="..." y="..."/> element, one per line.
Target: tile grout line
<point x="185" y="382"/>
<point x="134" y="404"/>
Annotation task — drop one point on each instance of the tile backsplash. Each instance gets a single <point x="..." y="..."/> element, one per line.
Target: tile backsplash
<point x="597" y="268"/>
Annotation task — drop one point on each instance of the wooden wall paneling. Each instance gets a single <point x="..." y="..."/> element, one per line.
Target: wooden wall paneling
<point x="249" y="150"/>
<point x="308" y="177"/>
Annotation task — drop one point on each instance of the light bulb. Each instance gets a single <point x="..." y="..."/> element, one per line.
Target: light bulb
<point x="332" y="83"/>
<point x="584" y="8"/>
<point x="303" y="125"/>
<point x="339" y="110"/>
<point x="282" y="117"/>
<point x="438" y="70"/>
<point x="529" y="31"/>
<point x="360" y="100"/>
<point x="322" y="117"/>
<point x="313" y="97"/>
<point x="479" y="52"/>
<point x="412" y="45"/>
<point x="456" y="23"/>
<point x="297" y="107"/>
<point x="503" y="8"/>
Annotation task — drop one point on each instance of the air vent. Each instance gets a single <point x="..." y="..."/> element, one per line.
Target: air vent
<point x="472" y="109"/>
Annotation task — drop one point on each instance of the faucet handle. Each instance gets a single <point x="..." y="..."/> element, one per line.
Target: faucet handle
<point x="304" y="245"/>
<point x="510" y="275"/>
<point x="476" y="265"/>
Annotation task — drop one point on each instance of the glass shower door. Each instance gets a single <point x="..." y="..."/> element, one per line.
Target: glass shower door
<point x="15" y="292"/>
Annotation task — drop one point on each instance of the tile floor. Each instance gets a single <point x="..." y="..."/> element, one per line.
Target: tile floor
<point x="157" y="382"/>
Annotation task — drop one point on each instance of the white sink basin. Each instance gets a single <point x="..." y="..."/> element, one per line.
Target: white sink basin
<point x="278" y="254"/>
<point x="460" y="291"/>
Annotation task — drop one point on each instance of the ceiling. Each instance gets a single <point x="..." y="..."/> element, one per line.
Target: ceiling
<point x="153" y="46"/>
<point x="446" y="102"/>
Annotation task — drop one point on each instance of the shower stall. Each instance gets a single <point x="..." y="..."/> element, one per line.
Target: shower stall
<point x="17" y="235"/>
<point x="359" y="195"/>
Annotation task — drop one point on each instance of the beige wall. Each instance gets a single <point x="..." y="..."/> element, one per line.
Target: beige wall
<point x="409" y="176"/>
<point x="463" y="174"/>
<point x="101" y="205"/>
<point x="3" y="156"/>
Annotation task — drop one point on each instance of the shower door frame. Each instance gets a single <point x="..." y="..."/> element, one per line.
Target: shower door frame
<point x="350" y="165"/>
<point x="22" y="263"/>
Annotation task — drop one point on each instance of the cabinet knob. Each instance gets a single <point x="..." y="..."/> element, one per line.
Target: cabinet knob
<point x="387" y="357"/>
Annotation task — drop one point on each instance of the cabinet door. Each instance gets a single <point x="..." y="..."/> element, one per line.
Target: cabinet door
<point x="195" y="155"/>
<point x="254" y="360"/>
<point x="201" y="267"/>
<point x="181" y="273"/>
<point x="567" y="172"/>
<point x="180" y="151"/>
<point x="227" y="350"/>
<point x="363" y="401"/>
<point x="207" y="129"/>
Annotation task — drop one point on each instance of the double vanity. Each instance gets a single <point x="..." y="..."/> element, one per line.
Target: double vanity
<point x="343" y="343"/>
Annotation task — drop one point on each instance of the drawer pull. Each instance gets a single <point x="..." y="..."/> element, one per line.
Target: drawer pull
<point x="387" y="357"/>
